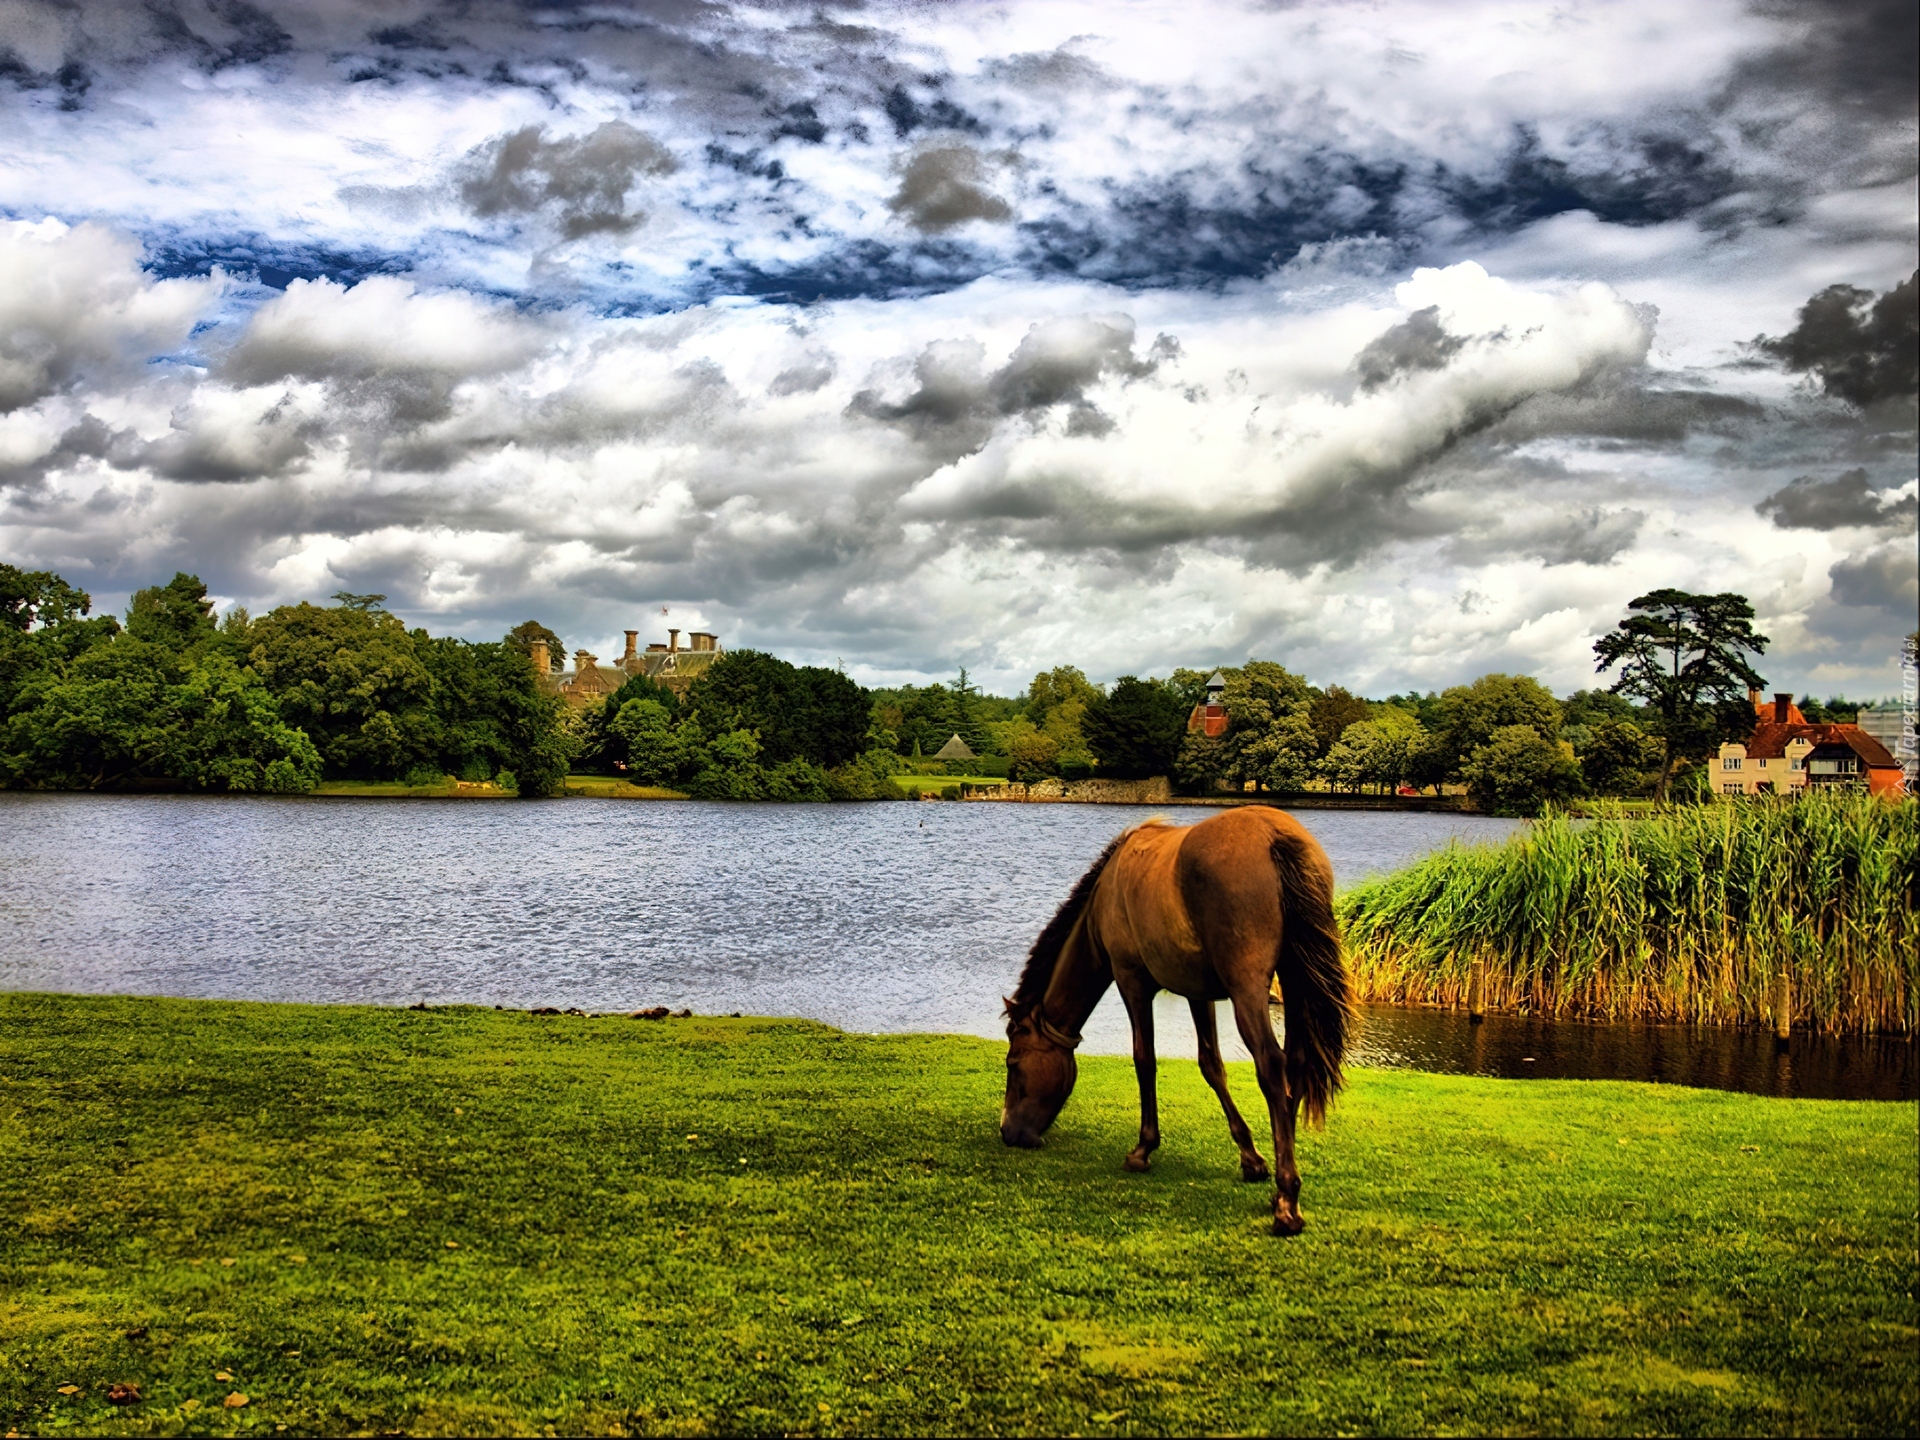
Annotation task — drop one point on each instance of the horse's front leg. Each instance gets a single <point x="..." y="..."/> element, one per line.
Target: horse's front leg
<point x="1250" y="1013"/>
<point x="1252" y="1167"/>
<point x="1138" y="994"/>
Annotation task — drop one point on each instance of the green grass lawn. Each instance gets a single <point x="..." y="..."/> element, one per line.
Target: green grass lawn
<point x="914" y="784"/>
<point x="612" y="787"/>
<point x="688" y="1226"/>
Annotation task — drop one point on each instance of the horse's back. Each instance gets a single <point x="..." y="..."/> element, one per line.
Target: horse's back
<point x="1230" y="888"/>
<point x="1197" y="904"/>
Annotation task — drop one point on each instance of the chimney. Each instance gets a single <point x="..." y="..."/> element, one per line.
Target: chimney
<point x="673" y="642"/>
<point x="1754" y="696"/>
<point x="582" y="662"/>
<point x="633" y="647"/>
<point x="1782" y="703"/>
<point x="537" y="652"/>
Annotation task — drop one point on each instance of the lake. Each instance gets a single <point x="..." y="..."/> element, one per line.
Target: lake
<point x="877" y="917"/>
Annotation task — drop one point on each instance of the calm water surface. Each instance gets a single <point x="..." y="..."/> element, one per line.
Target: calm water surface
<point x="868" y="917"/>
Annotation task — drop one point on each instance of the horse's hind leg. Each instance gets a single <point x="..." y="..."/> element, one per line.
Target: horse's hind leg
<point x="1270" y="1064"/>
<point x="1252" y="1167"/>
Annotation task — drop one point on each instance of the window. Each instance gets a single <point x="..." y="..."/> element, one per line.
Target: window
<point x="1730" y="762"/>
<point x="1800" y="762"/>
<point x="1732" y="787"/>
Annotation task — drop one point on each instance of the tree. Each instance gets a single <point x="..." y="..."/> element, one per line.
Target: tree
<point x="1517" y="769"/>
<point x="1135" y="729"/>
<point x="1331" y="712"/>
<point x="604" y="748"/>
<point x="1380" y="751"/>
<point x="1684" y="657"/>
<point x="1617" y="757"/>
<point x="521" y="638"/>
<point x="1471" y="713"/>
<point x="658" y="752"/>
<point x="352" y="677"/>
<point x="1057" y="701"/>
<point x="488" y="715"/>
<point x="1269" y="741"/>
<point x="1031" y="752"/>
<point x="810" y="713"/>
<point x="130" y="709"/>
<point x="177" y="615"/>
<point x="45" y="623"/>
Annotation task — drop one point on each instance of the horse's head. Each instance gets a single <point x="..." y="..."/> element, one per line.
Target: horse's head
<point x="1040" y="1075"/>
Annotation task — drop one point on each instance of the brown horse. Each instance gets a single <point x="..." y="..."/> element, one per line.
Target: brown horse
<point x="1211" y="912"/>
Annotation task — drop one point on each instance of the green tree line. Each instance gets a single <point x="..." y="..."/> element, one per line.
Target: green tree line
<point x="276" y="704"/>
<point x="175" y="695"/>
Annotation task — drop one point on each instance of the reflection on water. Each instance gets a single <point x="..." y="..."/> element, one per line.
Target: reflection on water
<point x="868" y="917"/>
<point x="1815" y="1067"/>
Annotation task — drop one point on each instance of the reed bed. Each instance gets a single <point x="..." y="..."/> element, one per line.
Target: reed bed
<point x="1686" y="915"/>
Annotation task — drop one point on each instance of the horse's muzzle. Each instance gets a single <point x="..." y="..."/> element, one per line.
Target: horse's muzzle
<point x="1018" y="1135"/>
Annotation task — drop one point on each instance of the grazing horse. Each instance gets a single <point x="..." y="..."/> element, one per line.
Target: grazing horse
<point x="1211" y="912"/>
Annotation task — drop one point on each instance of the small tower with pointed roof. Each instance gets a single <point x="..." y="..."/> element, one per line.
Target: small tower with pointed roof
<point x="1209" y="717"/>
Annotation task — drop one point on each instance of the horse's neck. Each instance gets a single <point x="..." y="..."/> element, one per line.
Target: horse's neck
<point x="1080" y="977"/>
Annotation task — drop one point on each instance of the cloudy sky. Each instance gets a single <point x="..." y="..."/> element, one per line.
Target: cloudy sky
<point x="1397" y="342"/>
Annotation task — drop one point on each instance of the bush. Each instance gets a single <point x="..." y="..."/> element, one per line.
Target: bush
<point x="425" y="777"/>
<point x="1518" y="770"/>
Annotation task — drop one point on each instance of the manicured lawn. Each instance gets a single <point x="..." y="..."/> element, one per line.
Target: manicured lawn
<point x="686" y="1226"/>
<point x="612" y="787"/>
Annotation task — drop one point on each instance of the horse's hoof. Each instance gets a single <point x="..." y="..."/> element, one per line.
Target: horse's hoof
<point x="1255" y="1171"/>
<point x="1137" y="1163"/>
<point x="1288" y="1225"/>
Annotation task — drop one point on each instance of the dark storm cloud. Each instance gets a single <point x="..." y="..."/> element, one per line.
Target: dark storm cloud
<point x="1590" y="536"/>
<point x="1860" y="56"/>
<point x="804" y="378"/>
<point x="1846" y="500"/>
<point x="1886" y="577"/>
<point x="1625" y="404"/>
<point x="955" y="403"/>
<point x="1418" y="342"/>
<point x="944" y="187"/>
<point x="1626" y="179"/>
<point x="1864" y="348"/>
<point x="583" y="180"/>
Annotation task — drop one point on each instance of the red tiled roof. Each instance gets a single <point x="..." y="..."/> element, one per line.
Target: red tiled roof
<point x="1769" y="742"/>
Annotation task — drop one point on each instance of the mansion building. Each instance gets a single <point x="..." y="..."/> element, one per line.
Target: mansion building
<point x="1785" y="755"/>
<point x="671" y="666"/>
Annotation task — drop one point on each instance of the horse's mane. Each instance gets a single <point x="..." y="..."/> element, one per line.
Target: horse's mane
<point x="1045" y="954"/>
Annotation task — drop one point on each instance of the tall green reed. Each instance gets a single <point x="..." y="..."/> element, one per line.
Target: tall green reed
<point x="1688" y="915"/>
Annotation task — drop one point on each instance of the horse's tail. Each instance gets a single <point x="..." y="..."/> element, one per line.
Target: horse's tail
<point x="1314" y="984"/>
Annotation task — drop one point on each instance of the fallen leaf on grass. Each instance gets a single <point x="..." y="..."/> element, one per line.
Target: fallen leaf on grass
<point x="1750" y="1149"/>
<point x="221" y="1375"/>
<point x="69" y="1389"/>
<point x="122" y="1394"/>
<point x="453" y="1245"/>
<point x="297" y="1259"/>
<point x="234" y="1401"/>
<point x="187" y="1407"/>
<point x="1107" y="1417"/>
<point x="227" y="1261"/>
